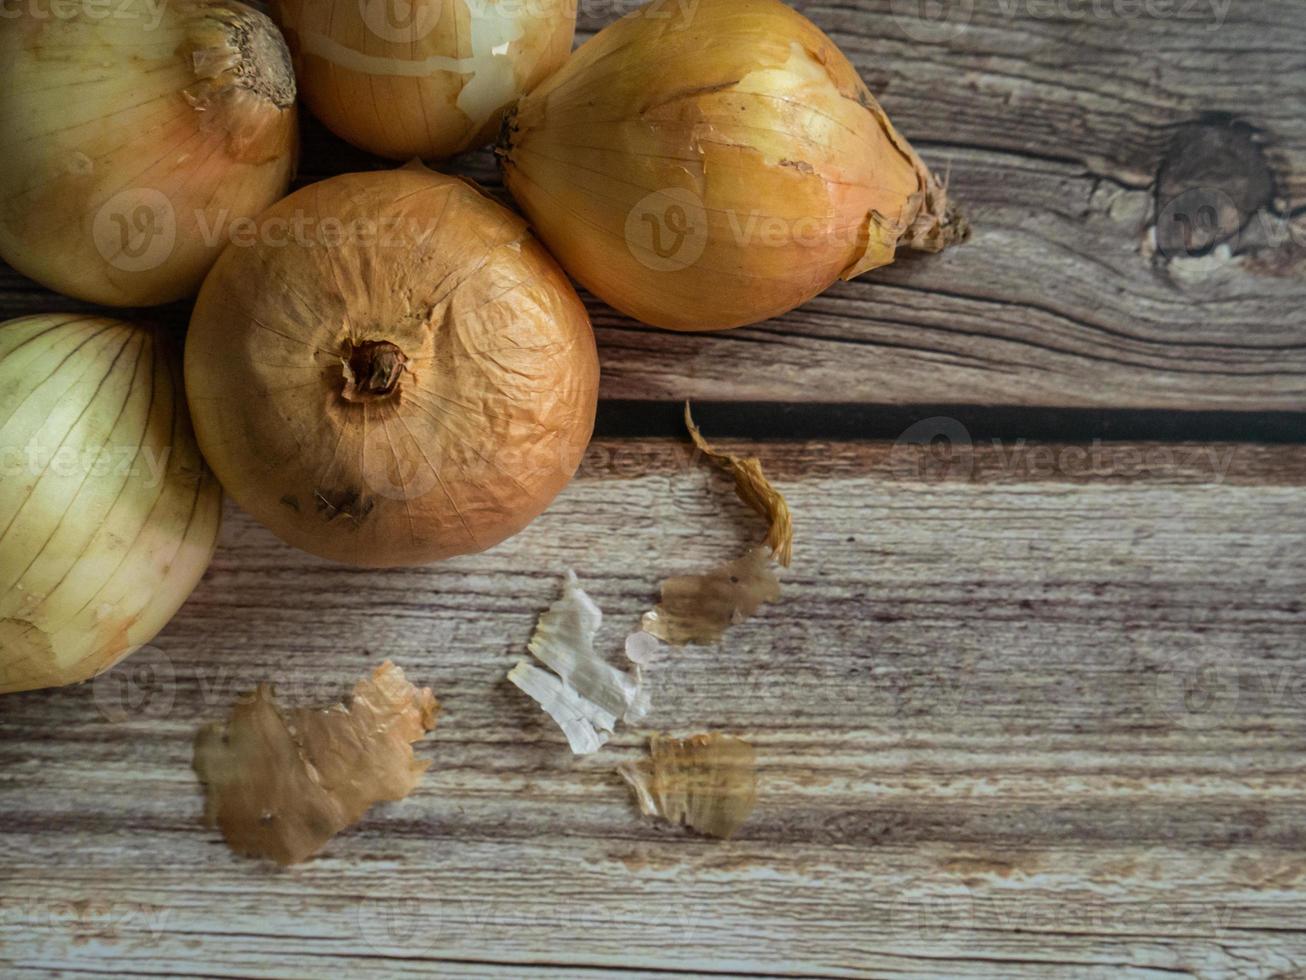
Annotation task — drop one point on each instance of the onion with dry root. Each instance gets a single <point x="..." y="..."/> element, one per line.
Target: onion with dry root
<point x="716" y="167"/>
<point x="134" y="134"/>
<point x="393" y="372"/>
<point x="430" y="82"/>
<point x="108" y="515"/>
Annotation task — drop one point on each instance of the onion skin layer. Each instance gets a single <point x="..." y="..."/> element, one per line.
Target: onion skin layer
<point x="432" y="85"/>
<point x="134" y="134"/>
<point x="717" y="168"/>
<point x="396" y="397"/>
<point x="108" y="515"/>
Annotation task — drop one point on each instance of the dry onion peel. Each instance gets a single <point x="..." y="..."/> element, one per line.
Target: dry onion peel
<point x="700" y="608"/>
<point x="135" y="138"/>
<point x="108" y="515"/>
<point x="432" y="85"/>
<point x="586" y="725"/>
<point x="418" y="386"/>
<point x="588" y="696"/>
<point x="707" y="782"/>
<point x="715" y="168"/>
<point x="754" y="489"/>
<point x="280" y="783"/>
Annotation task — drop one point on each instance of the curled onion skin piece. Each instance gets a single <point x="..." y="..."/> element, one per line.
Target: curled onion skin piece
<point x="716" y="166"/>
<point x="433" y="81"/>
<point x="754" y="489"/>
<point x="108" y="514"/>
<point x="134" y="135"/>
<point x="398" y="374"/>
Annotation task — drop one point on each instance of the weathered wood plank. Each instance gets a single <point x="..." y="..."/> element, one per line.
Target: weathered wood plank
<point x="1053" y="121"/>
<point x="1015" y="716"/>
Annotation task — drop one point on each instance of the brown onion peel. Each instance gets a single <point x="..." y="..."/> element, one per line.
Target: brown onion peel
<point x="755" y="490"/>
<point x="700" y="608"/>
<point x="281" y="782"/>
<point x="707" y="782"/>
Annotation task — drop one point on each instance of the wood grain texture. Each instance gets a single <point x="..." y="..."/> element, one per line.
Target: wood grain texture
<point x="1020" y="713"/>
<point x="1053" y="121"/>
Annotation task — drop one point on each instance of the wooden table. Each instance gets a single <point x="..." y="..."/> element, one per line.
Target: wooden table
<point x="1034" y="702"/>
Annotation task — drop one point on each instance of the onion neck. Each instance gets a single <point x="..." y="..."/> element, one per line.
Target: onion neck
<point x="503" y="146"/>
<point x="234" y="46"/>
<point x="372" y="370"/>
<point x="244" y="80"/>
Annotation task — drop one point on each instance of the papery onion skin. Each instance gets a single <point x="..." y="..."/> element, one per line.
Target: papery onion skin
<point x="397" y="398"/>
<point x="431" y="82"/>
<point x="713" y="168"/>
<point x="108" y="515"/>
<point x="135" y="134"/>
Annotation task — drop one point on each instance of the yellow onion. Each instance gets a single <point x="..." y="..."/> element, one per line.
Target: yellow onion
<point x="716" y="166"/>
<point x="422" y="78"/>
<point x="108" y="515"/>
<point x="134" y="134"/>
<point x="392" y="370"/>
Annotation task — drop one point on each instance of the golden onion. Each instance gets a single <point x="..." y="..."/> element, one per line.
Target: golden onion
<point x="134" y="134"/>
<point x="393" y="371"/>
<point x="716" y="166"/>
<point x="108" y="516"/>
<point x="422" y="78"/>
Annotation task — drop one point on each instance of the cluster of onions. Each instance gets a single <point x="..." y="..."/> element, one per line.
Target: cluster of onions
<point x="133" y="132"/>
<point x="404" y="376"/>
<point x="715" y="172"/>
<point x="422" y="78"/>
<point x="108" y="515"/>
<point x="392" y="370"/>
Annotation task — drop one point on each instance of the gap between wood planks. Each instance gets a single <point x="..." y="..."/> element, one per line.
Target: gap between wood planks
<point x="855" y="421"/>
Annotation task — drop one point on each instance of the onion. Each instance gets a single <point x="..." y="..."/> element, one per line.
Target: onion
<point x="395" y="372"/>
<point x="108" y="516"/>
<point x="135" y="133"/>
<point x="715" y="172"/>
<point x="422" y="78"/>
